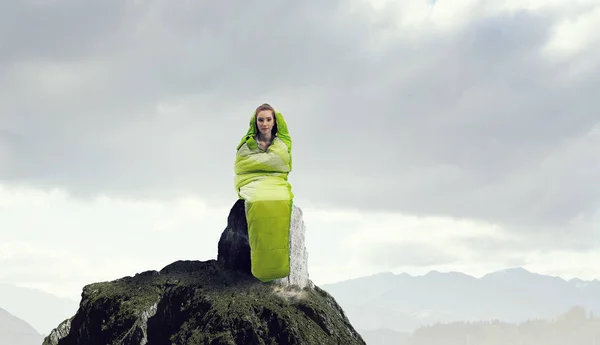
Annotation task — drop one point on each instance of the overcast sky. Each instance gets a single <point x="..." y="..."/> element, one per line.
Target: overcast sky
<point x="449" y="135"/>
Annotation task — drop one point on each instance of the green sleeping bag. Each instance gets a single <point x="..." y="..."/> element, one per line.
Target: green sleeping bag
<point x="261" y="180"/>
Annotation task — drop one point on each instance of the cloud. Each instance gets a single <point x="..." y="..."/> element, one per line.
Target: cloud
<point x="469" y="109"/>
<point x="388" y="256"/>
<point x="57" y="243"/>
<point x="403" y="243"/>
<point x="573" y="34"/>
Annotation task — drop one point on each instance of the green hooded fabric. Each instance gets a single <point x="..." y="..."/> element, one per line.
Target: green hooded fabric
<point x="261" y="179"/>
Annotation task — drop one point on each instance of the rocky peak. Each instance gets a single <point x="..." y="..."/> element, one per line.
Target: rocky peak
<point x="211" y="302"/>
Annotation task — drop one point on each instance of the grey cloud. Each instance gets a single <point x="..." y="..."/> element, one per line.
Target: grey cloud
<point x="472" y="135"/>
<point x="508" y="251"/>
<point x="63" y="30"/>
<point x="471" y="123"/>
<point x="392" y="255"/>
<point x="505" y="249"/>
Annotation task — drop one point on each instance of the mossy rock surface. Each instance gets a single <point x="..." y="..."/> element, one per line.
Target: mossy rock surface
<point x="195" y="302"/>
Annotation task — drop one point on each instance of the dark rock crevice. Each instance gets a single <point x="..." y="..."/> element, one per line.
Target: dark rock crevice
<point x="233" y="246"/>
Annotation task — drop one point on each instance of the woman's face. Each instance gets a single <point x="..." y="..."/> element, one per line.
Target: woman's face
<point x="265" y="121"/>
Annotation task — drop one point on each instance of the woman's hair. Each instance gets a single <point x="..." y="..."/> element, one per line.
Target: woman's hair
<point x="265" y="106"/>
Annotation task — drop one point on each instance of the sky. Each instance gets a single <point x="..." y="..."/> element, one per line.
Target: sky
<point x="450" y="135"/>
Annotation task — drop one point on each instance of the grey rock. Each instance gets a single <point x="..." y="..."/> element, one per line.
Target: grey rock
<point x="234" y="250"/>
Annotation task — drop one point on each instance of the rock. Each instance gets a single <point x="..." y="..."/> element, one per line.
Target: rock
<point x="59" y="332"/>
<point x="213" y="302"/>
<point x="194" y="302"/>
<point x="234" y="250"/>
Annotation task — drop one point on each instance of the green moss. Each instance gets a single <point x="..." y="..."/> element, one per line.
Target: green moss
<point x="133" y="297"/>
<point x="208" y="305"/>
<point x="128" y="300"/>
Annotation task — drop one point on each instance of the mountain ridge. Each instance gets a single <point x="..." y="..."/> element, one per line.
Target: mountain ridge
<point x="16" y="331"/>
<point x="24" y="303"/>
<point x="434" y="271"/>
<point x="404" y="302"/>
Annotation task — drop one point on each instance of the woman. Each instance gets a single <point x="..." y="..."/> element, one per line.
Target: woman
<point x="263" y="162"/>
<point x="265" y="126"/>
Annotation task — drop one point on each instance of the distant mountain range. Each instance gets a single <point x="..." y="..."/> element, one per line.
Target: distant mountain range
<point x="14" y="331"/>
<point x="385" y="337"/>
<point x="385" y="307"/>
<point x="41" y="310"/>
<point x="402" y="302"/>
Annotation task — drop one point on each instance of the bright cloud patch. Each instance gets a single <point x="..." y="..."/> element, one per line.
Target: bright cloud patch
<point x="57" y="243"/>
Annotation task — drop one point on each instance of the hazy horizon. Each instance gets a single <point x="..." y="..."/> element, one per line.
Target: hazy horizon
<point x="394" y="308"/>
<point x="368" y="292"/>
<point x="415" y="273"/>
